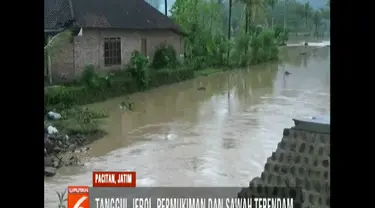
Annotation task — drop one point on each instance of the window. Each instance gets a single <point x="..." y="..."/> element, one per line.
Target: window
<point x="112" y="51"/>
<point x="144" y="46"/>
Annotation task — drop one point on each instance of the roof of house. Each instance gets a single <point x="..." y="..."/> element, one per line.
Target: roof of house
<point x="124" y="14"/>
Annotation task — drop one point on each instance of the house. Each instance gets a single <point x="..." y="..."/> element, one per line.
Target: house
<point x="106" y="33"/>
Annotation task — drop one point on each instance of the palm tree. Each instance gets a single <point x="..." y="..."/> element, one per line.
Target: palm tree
<point x="317" y="19"/>
<point x="251" y="7"/>
<point x="272" y="4"/>
<point x="286" y="5"/>
<point x="307" y="13"/>
<point x="229" y="24"/>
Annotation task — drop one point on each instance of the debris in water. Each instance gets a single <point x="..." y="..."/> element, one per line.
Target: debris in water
<point x="127" y="106"/>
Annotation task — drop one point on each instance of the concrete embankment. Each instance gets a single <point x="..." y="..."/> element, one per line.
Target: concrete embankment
<point x="302" y="159"/>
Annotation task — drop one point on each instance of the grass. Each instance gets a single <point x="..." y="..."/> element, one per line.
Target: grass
<point x="79" y="120"/>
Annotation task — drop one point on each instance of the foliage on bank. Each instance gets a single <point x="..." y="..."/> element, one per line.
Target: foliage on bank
<point x="209" y="42"/>
<point x="78" y="121"/>
<point x="94" y="86"/>
<point x="207" y="45"/>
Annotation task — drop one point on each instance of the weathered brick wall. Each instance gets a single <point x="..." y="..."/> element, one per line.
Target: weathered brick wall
<point x="302" y="159"/>
<point x="62" y="64"/>
<point x="89" y="48"/>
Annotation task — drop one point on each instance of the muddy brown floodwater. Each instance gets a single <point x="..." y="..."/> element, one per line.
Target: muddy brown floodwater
<point x="222" y="136"/>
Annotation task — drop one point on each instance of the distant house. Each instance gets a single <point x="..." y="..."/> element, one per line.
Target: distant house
<point x="106" y="33"/>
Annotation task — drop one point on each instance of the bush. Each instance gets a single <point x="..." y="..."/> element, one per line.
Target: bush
<point x="79" y="121"/>
<point x="62" y="97"/>
<point x="165" y="57"/>
<point x="138" y="69"/>
<point x="242" y="43"/>
<point x="256" y="47"/>
<point x="93" y="80"/>
<point x="281" y="35"/>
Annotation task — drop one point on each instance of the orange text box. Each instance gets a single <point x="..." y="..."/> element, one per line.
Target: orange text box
<point x="114" y="179"/>
<point x="78" y="197"/>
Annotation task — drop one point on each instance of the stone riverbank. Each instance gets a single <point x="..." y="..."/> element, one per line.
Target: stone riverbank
<point x="61" y="148"/>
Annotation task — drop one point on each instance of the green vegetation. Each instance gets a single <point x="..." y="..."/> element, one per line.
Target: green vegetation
<point x="220" y="35"/>
<point x="79" y="120"/>
<point x="209" y="42"/>
<point x="93" y="87"/>
<point x="300" y="19"/>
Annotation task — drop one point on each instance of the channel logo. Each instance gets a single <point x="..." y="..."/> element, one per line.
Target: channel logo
<point x="78" y="197"/>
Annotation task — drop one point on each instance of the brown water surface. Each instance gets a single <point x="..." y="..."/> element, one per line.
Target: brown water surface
<point x="222" y="136"/>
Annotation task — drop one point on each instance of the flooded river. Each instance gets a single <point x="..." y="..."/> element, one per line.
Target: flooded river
<point x="222" y="136"/>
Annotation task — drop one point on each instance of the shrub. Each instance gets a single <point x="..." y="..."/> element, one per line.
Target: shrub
<point x="281" y="35"/>
<point x="62" y="97"/>
<point x="138" y="69"/>
<point x="78" y="120"/>
<point x="263" y="47"/>
<point x="93" y="80"/>
<point x="239" y="56"/>
<point x="165" y="57"/>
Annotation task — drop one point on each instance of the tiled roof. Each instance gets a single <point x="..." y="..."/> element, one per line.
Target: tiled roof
<point x="125" y="14"/>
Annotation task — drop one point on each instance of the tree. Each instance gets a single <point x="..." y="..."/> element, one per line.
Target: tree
<point x="251" y="8"/>
<point x="271" y="4"/>
<point x="317" y="20"/>
<point x="307" y="11"/>
<point x="286" y="5"/>
<point x="229" y="24"/>
<point x="206" y="42"/>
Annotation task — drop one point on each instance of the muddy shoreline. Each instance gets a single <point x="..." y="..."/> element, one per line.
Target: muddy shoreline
<point x="62" y="148"/>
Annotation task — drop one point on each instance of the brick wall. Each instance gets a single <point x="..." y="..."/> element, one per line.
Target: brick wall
<point x="89" y="49"/>
<point x="62" y="64"/>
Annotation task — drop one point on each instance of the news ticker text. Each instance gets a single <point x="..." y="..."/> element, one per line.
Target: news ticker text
<point x="176" y="197"/>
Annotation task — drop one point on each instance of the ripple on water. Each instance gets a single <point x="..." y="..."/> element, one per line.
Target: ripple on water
<point x="219" y="139"/>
